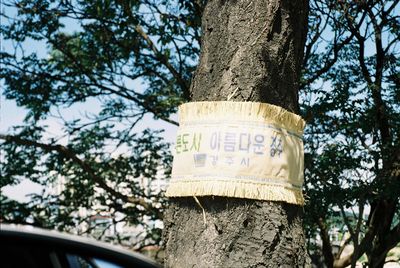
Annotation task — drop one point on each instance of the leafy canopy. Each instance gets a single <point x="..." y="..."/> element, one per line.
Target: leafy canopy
<point x="132" y="59"/>
<point x="129" y="60"/>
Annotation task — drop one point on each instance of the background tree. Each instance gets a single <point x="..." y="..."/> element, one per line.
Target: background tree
<point x="129" y="59"/>
<point x="133" y="60"/>
<point x="353" y="118"/>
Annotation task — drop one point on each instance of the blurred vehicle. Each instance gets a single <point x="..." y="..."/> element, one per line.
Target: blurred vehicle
<point x="31" y="247"/>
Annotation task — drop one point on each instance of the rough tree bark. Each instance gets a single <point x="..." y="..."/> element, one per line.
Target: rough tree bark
<point x="251" y="51"/>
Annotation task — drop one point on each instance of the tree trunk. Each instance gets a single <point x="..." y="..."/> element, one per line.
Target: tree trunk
<point x="385" y="212"/>
<point x="251" y="51"/>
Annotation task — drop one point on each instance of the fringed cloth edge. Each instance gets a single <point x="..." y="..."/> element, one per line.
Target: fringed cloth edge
<point x="246" y="111"/>
<point x="235" y="189"/>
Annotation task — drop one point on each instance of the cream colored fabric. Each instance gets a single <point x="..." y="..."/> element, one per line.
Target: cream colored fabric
<point x="238" y="149"/>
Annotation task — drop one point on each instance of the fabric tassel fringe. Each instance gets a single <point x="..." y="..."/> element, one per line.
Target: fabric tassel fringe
<point x="246" y="111"/>
<point x="236" y="189"/>
<point x="194" y="174"/>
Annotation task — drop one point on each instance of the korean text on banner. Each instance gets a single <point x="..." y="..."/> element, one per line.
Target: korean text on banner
<point x="238" y="149"/>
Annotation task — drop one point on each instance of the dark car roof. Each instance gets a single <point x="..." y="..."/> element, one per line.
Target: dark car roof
<point x="82" y="245"/>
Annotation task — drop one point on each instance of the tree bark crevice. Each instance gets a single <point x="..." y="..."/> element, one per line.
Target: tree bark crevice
<point x="238" y="233"/>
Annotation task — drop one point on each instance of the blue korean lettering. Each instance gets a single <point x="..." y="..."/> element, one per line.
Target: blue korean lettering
<point x="229" y="142"/>
<point x="259" y="144"/>
<point x="245" y="161"/>
<point x="215" y="141"/>
<point x="276" y="146"/>
<point x="244" y="142"/>
<point x="229" y="160"/>
<point x="214" y="160"/>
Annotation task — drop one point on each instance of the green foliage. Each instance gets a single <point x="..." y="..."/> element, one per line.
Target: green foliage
<point x="135" y="58"/>
<point x="126" y="58"/>
<point x="70" y="187"/>
<point x="102" y="49"/>
<point x="353" y="120"/>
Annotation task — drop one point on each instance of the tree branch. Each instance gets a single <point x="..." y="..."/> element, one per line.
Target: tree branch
<point x="326" y="243"/>
<point x="336" y="49"/>
<point x="343" y="262"/>
<point x="342" y="247"/>
<point x="182" y="83"/>
<point x="67" y="153"/>
<point x="361" y="40"/>
<point x="394" y="236"/>
<point x="94" y="81"/>
<point x="347" y="222"/>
